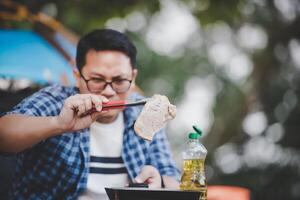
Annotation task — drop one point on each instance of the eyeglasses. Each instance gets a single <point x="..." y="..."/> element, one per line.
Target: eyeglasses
<point x="97" y="85"/>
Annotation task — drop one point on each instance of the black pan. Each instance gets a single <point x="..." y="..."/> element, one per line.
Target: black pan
<point x="129" y="193"/>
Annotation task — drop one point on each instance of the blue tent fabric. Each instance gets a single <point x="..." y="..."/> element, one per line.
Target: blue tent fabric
<point x="25" y="54"/>
<point x="65" y="44"/>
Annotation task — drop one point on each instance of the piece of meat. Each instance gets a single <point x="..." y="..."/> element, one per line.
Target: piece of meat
<point x="154" y="116"/>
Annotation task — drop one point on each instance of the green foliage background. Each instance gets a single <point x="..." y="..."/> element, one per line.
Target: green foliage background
<point x="272" y="79"/>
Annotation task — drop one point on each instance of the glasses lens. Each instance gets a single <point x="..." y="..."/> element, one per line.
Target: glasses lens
<point x="121" y="86"/>
<point x="96" y="85"/>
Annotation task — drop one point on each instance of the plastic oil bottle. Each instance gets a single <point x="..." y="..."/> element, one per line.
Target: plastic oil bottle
<point x="193" y="172"/>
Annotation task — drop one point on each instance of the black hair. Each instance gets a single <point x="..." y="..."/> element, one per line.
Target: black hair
<point x="104" y="39"/>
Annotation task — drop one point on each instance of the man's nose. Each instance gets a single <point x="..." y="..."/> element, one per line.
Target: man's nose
<point x="108" y="91"/>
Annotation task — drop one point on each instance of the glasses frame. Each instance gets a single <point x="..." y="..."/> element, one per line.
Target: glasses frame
<point x="110" y="83"/>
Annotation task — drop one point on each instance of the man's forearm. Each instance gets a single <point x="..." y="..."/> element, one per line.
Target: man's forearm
<point x="18" y="132"/>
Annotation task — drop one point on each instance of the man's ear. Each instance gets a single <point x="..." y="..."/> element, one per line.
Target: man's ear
<point x="134" y="75"/>
<point x="76" y="75"/>
<point x="134" y="87"/>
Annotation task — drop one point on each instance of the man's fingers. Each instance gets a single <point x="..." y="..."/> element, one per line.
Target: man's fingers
<point x="149" y="175"/>
<point x="104" y="99"/>
<point x="97" y="101"/>
<point x="81" y="109"/>
<point x="148" y="172"/>
<point x="141" y="178"/>
<point x="78" y="105"/>
<point x="82" y="103"/>
<point x="88" y="103"/>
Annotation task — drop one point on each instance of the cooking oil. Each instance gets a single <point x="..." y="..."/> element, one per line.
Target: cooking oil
<point x="193" y="177"/>
<point x="193" y="171"/>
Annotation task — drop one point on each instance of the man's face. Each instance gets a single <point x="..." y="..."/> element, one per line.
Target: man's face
<point x="108" y="66"/>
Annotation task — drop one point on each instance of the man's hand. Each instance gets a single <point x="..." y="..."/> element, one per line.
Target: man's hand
<point x="18" y="132"/>
<point x="149" y="175"/>
<point x="70" y="117"/>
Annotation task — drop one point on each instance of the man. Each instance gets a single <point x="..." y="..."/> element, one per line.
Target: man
<point x="65" y="154"/>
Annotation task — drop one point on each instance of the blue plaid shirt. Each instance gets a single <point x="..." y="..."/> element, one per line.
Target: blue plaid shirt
<point x="57" y="168"/>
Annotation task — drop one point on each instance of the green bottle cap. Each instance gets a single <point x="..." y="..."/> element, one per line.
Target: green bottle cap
<point x="194" y="136"/>
<point x="198" y="130"/>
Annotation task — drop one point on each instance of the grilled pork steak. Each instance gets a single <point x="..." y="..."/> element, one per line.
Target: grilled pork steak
<point x="154" y="116"/>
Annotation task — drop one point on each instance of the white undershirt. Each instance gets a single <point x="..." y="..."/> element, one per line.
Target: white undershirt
<point x="106" y="165"/>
